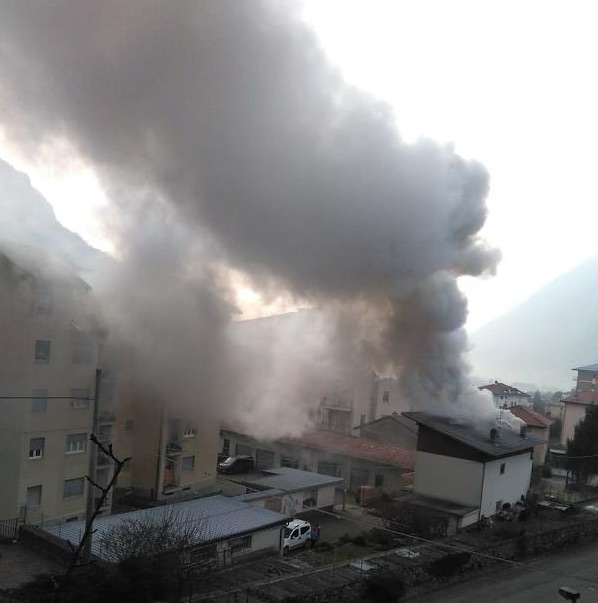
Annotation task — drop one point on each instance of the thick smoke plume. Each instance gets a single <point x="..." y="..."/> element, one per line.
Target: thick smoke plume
<point x="226" y="141"/>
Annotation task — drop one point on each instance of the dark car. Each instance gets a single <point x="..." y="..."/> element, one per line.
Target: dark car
<point x="236" y="464"/>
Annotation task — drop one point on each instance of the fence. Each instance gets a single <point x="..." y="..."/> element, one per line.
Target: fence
<point x="9" y="529"/>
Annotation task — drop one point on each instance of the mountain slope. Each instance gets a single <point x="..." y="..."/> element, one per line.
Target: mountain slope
<point x="27" y="218"/>
<point x="542" y="339"/>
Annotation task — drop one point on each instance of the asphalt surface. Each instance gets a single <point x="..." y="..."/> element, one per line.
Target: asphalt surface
<point x="575" y="568"/>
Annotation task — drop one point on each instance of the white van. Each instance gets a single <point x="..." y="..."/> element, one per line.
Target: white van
<point x="296" y="535"/>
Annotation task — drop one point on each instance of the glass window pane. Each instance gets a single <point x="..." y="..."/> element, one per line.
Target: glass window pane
<point x="73" y="487"/>
<point x="42" y="351"/>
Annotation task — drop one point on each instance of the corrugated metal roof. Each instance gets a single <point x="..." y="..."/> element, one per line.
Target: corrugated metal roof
<point x="214" y="517"/>
<point x="258" y="495"/>
<point x="589" y="367"/>
<point x="287" y="479"/>
<point x="477" y="436"/>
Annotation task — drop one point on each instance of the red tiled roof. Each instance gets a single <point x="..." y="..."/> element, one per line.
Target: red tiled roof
<point x="500" y="389"/>
<point x="531" y="418"/>
<point x="583" y="397"/>
<point x="360" y="448"/>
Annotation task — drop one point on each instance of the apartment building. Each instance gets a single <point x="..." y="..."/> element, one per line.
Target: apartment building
<point x="173" y="452"/>
<point x="50" y="347"/>
<point x="585" y="394"/>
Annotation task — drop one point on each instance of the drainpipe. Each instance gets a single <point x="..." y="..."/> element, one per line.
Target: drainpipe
<point x="482" y="492"/>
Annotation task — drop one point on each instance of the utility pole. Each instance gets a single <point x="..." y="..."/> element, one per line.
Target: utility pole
<point x="93" y="465"/>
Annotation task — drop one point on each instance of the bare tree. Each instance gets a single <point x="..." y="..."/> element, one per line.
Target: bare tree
<point x="158" y="532"/>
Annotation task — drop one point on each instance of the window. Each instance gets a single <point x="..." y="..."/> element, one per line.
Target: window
<point x="73" y="487"/>
<point x="42" y="351"/>
<point x="188" y="463"/>
<point x="129" y="425"/>
<point x="242" y="450"/>
<point x="36" y="448"/>
<point x="44" y="299"/>
<point x="80" y="399"/>
<point x="189" y="432"/>
<point x="327" y="468"/>
<point x="288" y="462"/>
<point x="82" y="352"/>
<point x="240" y="544"/>
<point x="226" y="446"/>
<point x="378" y="480"/>
<point x="502" y="468"/>
<point x="386" y="396"/>
<point x="498" y="507"/>
<point x="75" y="443"/>
<point x="40" y="400"/>
<point x="34" y="496"/>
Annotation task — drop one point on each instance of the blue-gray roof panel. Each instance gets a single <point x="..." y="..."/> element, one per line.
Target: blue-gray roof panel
<point x="214" y="518"/>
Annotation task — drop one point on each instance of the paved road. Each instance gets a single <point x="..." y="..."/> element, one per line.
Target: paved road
<point x="576" y="568"/>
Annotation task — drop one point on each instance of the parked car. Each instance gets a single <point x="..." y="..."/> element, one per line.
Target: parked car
<point x="236" y="464"/>
<point x="296" y="535"/>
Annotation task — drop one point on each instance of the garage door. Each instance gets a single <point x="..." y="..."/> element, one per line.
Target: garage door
<point x="264" y="459"/>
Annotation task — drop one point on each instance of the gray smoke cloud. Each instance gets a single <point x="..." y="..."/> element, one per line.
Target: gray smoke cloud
<point x="225" y="140"/>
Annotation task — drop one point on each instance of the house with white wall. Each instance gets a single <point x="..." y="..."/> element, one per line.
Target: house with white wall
<point x="478" y="467"/>
<point x="507" y="396"/>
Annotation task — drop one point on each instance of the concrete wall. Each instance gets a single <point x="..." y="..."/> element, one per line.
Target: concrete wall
<point x="262" y="541"/>
<point x="541" y="449"/>
<point x="448" y="478"/>
<point x="508" y="486"/>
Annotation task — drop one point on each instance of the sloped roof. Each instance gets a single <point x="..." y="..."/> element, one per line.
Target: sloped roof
<point x="359" y="448"/>
<point x="215" y="518"/>
<point x="531" y="418"/>
<point x="399" y="419"/>
<point x="477" y="436"/>
<point x="589" y="367"/>
<point x="286" y="479"/>
<point x="582" y="397"/>
<point x="501" y="389"/>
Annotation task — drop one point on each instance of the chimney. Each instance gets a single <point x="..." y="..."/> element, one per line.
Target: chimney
<point x="362" y="426"/>
<point x="523" y="431"/>
<point x="494" y="435"/>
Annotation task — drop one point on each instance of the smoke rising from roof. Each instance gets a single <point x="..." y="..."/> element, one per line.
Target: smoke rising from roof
<point x="225" y="140"/>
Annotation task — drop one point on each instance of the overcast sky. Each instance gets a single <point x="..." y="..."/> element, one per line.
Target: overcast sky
<point x="511" y="84"/>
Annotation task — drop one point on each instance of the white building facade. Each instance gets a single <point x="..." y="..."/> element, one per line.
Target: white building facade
<point x="464" y="465"/>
